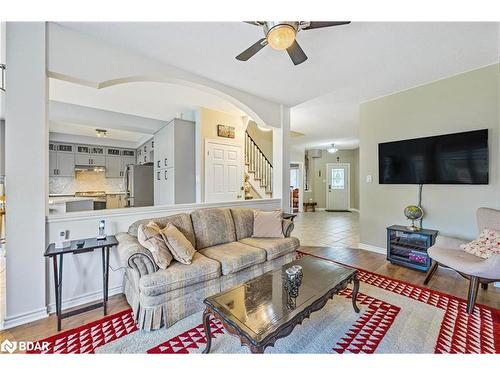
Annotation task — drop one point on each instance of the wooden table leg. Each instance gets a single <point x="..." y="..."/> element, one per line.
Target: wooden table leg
<point x="355" y="289"/>
<point x="208" y="333"/>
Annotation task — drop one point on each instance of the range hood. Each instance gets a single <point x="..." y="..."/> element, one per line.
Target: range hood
<point x="88" y="168"/>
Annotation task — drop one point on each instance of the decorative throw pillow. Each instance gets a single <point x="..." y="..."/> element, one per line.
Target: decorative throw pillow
<point x="267" y="224"/>
<point x="180" y="247"/>
<point x="485" y="246"/>
<point x="150" y="236"/>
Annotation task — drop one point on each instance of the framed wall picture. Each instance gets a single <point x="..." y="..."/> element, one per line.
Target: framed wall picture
<point x="225" y="131"/>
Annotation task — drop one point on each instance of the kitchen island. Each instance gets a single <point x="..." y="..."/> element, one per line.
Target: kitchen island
<point x="63" y="204"/>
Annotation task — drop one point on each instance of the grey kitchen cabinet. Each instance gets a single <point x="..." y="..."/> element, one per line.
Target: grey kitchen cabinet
<point x="145" y="152"/>
<point x="113" y="166"/>
<point x="90" y="156"/>
<point x="61" y="160"/>
<point x="174" y="163"/>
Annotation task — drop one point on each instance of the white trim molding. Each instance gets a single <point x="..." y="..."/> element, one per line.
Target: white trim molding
<point x="28" y="317"/>
<point x="354" y="210"/>
<point x="374" y="249"/>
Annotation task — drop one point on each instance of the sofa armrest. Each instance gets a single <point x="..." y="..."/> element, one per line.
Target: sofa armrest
<point x="135" y="256"/>
<point x="288" y="226"/>
<point x="449" y="242"/>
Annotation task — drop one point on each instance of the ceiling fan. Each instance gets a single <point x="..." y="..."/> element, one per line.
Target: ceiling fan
<point x="281" y="35"/>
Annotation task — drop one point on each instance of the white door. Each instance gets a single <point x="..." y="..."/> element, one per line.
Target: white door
<point x="338" y="187"/>
<point x="223" y="172"/>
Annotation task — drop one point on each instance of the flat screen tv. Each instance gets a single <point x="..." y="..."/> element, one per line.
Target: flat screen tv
<point x="460" y="158"/>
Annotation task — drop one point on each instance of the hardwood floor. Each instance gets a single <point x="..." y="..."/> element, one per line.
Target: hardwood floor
<point x="43" y="328"/>
<point x="331" y="236"/>
<point x="444" y="280"/>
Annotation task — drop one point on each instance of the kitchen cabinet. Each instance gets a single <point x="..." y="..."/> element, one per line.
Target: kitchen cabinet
<point x="115" y="201"/>
<point x="61" y="160"/>
<point x="145" y="152"/>
<point x="90" y="156"/>
<point x="174" y="163"/>
<point x="113" y="166"/>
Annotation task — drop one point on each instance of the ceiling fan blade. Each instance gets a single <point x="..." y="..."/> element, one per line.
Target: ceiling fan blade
<point x="252" y="50"/>
<point x="320" y="24"/>
<point x="255" y="23"/>
<point x="296" y="53"/>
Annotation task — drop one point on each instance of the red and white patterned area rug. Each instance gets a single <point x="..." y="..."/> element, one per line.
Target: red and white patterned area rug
<point x="395" y="317"/>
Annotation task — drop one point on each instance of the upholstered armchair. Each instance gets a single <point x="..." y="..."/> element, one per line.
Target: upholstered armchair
<point x="446" y="252"/>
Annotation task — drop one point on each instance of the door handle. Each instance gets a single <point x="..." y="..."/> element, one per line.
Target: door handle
<point x="166" y="162"/>
<point x="158" y="164"/>
<point x="166" y="178"/>
<point x="158" y="176"/>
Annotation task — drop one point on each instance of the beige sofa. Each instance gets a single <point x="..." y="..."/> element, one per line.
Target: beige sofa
<point x="227" y="255"/>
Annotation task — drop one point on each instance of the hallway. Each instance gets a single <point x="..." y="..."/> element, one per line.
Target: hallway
<point x="327" y="229"/>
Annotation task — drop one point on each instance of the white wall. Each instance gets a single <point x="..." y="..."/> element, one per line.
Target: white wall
<point x="464" y="102"/>
<point x="2" y="147"/>
<point x="26" y="186"/>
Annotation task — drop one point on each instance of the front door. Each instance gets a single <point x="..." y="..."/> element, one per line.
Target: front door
<point x="223" y="172"/>
<point x="337" y="187"/>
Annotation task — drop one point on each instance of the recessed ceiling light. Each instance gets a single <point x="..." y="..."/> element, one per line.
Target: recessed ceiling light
<point x="101" y="132"/>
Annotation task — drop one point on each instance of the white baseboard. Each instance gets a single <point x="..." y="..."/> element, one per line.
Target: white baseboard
<point x="17" y="320"/>
<point x="354" y="210"/>
<point x="31" y="316"/>
<point x="85" y="298"/>
<point x="320" y="209"/>
<point x="372" y="248"/>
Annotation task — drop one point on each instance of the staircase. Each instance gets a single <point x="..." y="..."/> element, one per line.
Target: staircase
<point x="258" y="168"/>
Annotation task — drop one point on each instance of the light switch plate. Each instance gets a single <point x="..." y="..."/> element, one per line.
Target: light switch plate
<point x="369" y="178"/>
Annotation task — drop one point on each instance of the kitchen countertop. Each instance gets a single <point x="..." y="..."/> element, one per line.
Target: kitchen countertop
<point x="66" y="199"/>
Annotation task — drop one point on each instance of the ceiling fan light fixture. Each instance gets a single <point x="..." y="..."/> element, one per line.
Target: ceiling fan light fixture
<point x="332" y="149"/>
<point x="280" y="37"/>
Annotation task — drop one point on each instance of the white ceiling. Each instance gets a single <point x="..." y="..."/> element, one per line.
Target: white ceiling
<point x="347" y="65"/>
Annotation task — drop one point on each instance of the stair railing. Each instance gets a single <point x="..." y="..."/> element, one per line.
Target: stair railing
<point x="258" y="164"/>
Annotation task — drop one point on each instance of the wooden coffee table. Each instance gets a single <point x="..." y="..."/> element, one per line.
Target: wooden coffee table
<point x="259" y="312"/>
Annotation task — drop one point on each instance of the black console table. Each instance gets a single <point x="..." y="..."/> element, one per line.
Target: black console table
<point x="89" y="244"/>
<point x="409" y="248"/>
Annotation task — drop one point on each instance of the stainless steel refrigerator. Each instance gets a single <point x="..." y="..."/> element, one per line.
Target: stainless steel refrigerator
<point x="140" y="187"/>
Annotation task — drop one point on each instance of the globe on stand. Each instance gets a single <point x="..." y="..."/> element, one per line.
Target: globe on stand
<point x="413" y="213"/>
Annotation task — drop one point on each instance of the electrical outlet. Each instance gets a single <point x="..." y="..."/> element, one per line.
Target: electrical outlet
<point x="369" y="178"/>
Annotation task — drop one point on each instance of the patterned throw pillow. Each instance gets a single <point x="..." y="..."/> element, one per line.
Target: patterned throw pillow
<point x="180" y="247"/>
<point x="485" y="246"/>
<point x="151" y="238"/>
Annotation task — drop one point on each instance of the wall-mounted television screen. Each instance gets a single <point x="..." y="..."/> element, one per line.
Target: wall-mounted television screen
<point x="460" y="158"/>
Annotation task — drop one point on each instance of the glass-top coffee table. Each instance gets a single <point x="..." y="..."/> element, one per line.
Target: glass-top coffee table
<point x="261" y="311"/>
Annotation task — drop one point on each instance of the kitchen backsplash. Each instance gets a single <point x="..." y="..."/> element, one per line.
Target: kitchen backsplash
<point x="85" y="181"/>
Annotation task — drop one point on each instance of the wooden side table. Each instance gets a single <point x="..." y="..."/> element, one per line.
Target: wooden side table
<point x="311" y="205"/>
<point x="90" y="244"/>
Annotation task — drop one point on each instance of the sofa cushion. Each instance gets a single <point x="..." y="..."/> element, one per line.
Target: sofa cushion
<point x="181" y="222"/>
<point x="182" y="250"/>
<point x="235" y="256"/>
<point x="243" y="222"/>
<point x="274" y="247"/>
<point x="213" y="226"/>
<point x="179" y="275"/>
<point x="151" y="238"/>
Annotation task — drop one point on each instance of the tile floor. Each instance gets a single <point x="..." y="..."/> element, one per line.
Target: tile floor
<point x="327" y="228"/>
